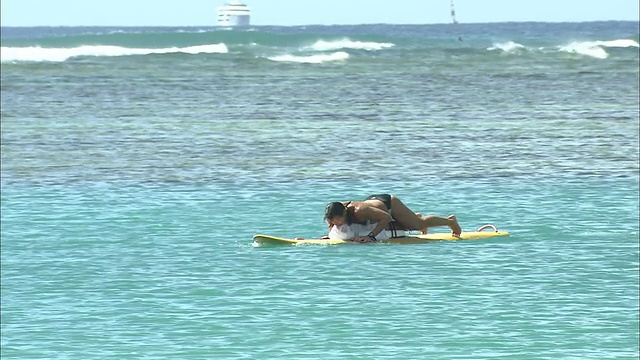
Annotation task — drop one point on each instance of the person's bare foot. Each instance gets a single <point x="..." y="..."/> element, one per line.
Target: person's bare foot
<point x="456" y="230"/>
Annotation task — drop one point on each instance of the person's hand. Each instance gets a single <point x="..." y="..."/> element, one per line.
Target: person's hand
<point x="361" y="239"/>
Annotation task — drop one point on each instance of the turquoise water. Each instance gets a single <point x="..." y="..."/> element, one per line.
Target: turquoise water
<point x="136" y="168"/>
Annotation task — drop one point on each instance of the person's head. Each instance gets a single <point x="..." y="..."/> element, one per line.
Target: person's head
<point x="335" y="213"/>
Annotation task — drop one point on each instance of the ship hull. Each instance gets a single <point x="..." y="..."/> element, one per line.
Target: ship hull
<point x="235" y="20"/>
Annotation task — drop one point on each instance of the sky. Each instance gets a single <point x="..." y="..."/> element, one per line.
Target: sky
<point x="307" y="12"/>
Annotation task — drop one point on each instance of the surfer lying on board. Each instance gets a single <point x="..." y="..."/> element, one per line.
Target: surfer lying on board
<point x="381" y="210"/>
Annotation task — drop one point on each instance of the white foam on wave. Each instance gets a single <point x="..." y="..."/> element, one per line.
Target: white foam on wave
<point x="322" y="45"/>
<point x="618" y="43"/>
<point x="311" y="59"/>
<point x="507" y="47"/>
<point x="588" y="48"/>
<point x="596" y="48"/>
<point x="38" y="54"/>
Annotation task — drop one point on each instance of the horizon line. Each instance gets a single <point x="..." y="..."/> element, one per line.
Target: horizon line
<point x="340" y="24"/>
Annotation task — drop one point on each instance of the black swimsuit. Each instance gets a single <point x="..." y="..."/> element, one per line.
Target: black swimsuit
<point x="385" y="198"/>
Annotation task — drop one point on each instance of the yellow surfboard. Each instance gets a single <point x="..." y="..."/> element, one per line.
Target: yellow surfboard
<point x="260" y="239"/>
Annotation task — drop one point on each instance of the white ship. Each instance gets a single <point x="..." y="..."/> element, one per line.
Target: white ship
<point x="234" y="13"/>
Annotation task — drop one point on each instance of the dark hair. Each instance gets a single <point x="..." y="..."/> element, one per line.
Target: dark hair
<point x="334" y="209"/>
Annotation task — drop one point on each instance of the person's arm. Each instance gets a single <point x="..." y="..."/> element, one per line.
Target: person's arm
<point x="373" y="214"/>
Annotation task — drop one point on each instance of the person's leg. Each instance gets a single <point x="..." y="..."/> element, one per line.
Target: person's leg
<point x="410" y="220"/>
<point x="449" y="221"/>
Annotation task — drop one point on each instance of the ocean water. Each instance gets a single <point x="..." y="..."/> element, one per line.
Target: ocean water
<point x="137" y="164"/>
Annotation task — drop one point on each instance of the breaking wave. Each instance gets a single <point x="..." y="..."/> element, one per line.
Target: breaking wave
<point x="36" y="53"/>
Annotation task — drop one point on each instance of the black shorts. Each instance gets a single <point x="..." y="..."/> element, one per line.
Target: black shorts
<point x="385" y="198"/>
